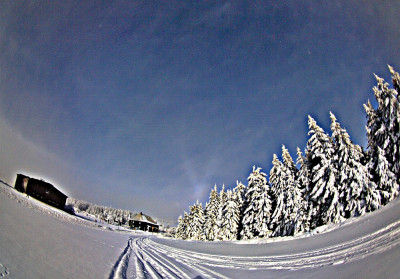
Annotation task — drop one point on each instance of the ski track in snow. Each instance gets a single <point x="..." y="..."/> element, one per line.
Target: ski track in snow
<point x="4" y="271"/>
<point x="145" y="258"/>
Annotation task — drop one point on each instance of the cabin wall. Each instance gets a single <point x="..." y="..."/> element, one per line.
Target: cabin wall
<point x="144" y="226"/>
<point x="46" y="192"/>
<point x="21" y="183"/>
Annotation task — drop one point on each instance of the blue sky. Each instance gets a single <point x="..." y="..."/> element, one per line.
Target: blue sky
<point x="145" y="105"/>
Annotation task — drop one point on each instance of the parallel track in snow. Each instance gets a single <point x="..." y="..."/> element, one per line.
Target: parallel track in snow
<point x="144" y="258"/>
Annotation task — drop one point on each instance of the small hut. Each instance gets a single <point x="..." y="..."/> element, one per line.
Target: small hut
<point x="143" y="222"/>
<point x="41" y="190"/>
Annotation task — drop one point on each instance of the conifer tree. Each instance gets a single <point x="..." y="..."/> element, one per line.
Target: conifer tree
<point x="278" y="188"/>
<point x="394" y="124"/>
<point x="292" y="195"/>
<point x="239" y="194"/>
<point x="211" y="215"/>
<point x="386" y="178"/>
<point x="196" y="221"/>
<point x="373" y="198"/>
<point x="220" y="218"/>
<point x="189" y="224"/>
<point x="302" y="182"/>
<point x="324" y="196"/>
<point x="352" y="173"/>
<point x="286" y="193"/>
<point x="180" y="230"/>
<point x="383" y="133"/>
<point x="258" y="211"/>
<point x="186" y="229"/>
<point x="295" y="204"/>
<point x="230" y="222"/>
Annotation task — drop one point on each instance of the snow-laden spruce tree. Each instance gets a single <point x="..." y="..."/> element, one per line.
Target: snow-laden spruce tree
<point x="222" y="202"/>
<point x="287" y="195"/>
<point x="295" y="205"/>
<point x="196" y="217"/>
<point x="396" y="123"/>
<point x="185" y="226"/>
<point x="324" y="196"/>
<point x="383" y="134"/>
<point x="278" y="191"/>
<point x="386" y="178"/>
<point x="302" y="181"/>
<point x="257" y="214"/>
<point x="211" y="215"/>
<point x="230" y="222"/>
<point x="352" y="178"/>
<point x="357" y="194"/>
<point x="373" y="198"/>
<point x="180" y="228"/>
<point x="380" y="174"/>
<point x="239" y="194"/>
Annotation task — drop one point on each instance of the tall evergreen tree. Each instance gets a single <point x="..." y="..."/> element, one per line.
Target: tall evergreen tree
<point x="196" y="221"/>
<point x="383" y="133"/>
<point x="394" y="124"/>
<point x="186" y="232"/>
<point x="302" y="182"/>
<point x="352" y="173"/>
<point x="324" y="196"/>
<point x="180" y="228"/>
<point x="386" y="178"/>
<point x="295" y="203"/>
<point x="239" y="194"/>
<point x="258" y="212"/>
<point x="211" y="215"/>
<point x="293" y="195"/>
<point x="286" y="193"/>
<point x="222" y="202"/>
<point x="278" y="189"/>
<point x="373" y="198"/>
<point x="230" y="222"/>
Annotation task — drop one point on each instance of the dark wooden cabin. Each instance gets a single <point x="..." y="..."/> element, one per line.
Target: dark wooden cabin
<point x="21" y="183"/>
<point x="143" y="222"/>
<point x="41" y="190"/>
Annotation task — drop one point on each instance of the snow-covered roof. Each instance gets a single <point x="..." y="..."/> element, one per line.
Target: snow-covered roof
<point x="144" y="218"/>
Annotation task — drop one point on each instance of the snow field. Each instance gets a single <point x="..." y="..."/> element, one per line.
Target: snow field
<point x="165" y="258"/>
<point x="346" y="252"/>
<point x="36" y="244"/>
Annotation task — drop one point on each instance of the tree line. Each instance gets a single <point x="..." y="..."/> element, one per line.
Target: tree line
<point x="335" y="179"/>
<point x="113" y="216"/>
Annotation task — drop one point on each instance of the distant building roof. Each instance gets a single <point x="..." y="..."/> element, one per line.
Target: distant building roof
<point x="144" y="218"/>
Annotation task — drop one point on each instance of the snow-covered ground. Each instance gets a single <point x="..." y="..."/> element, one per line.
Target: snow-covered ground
<point x="37" y="241"/>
